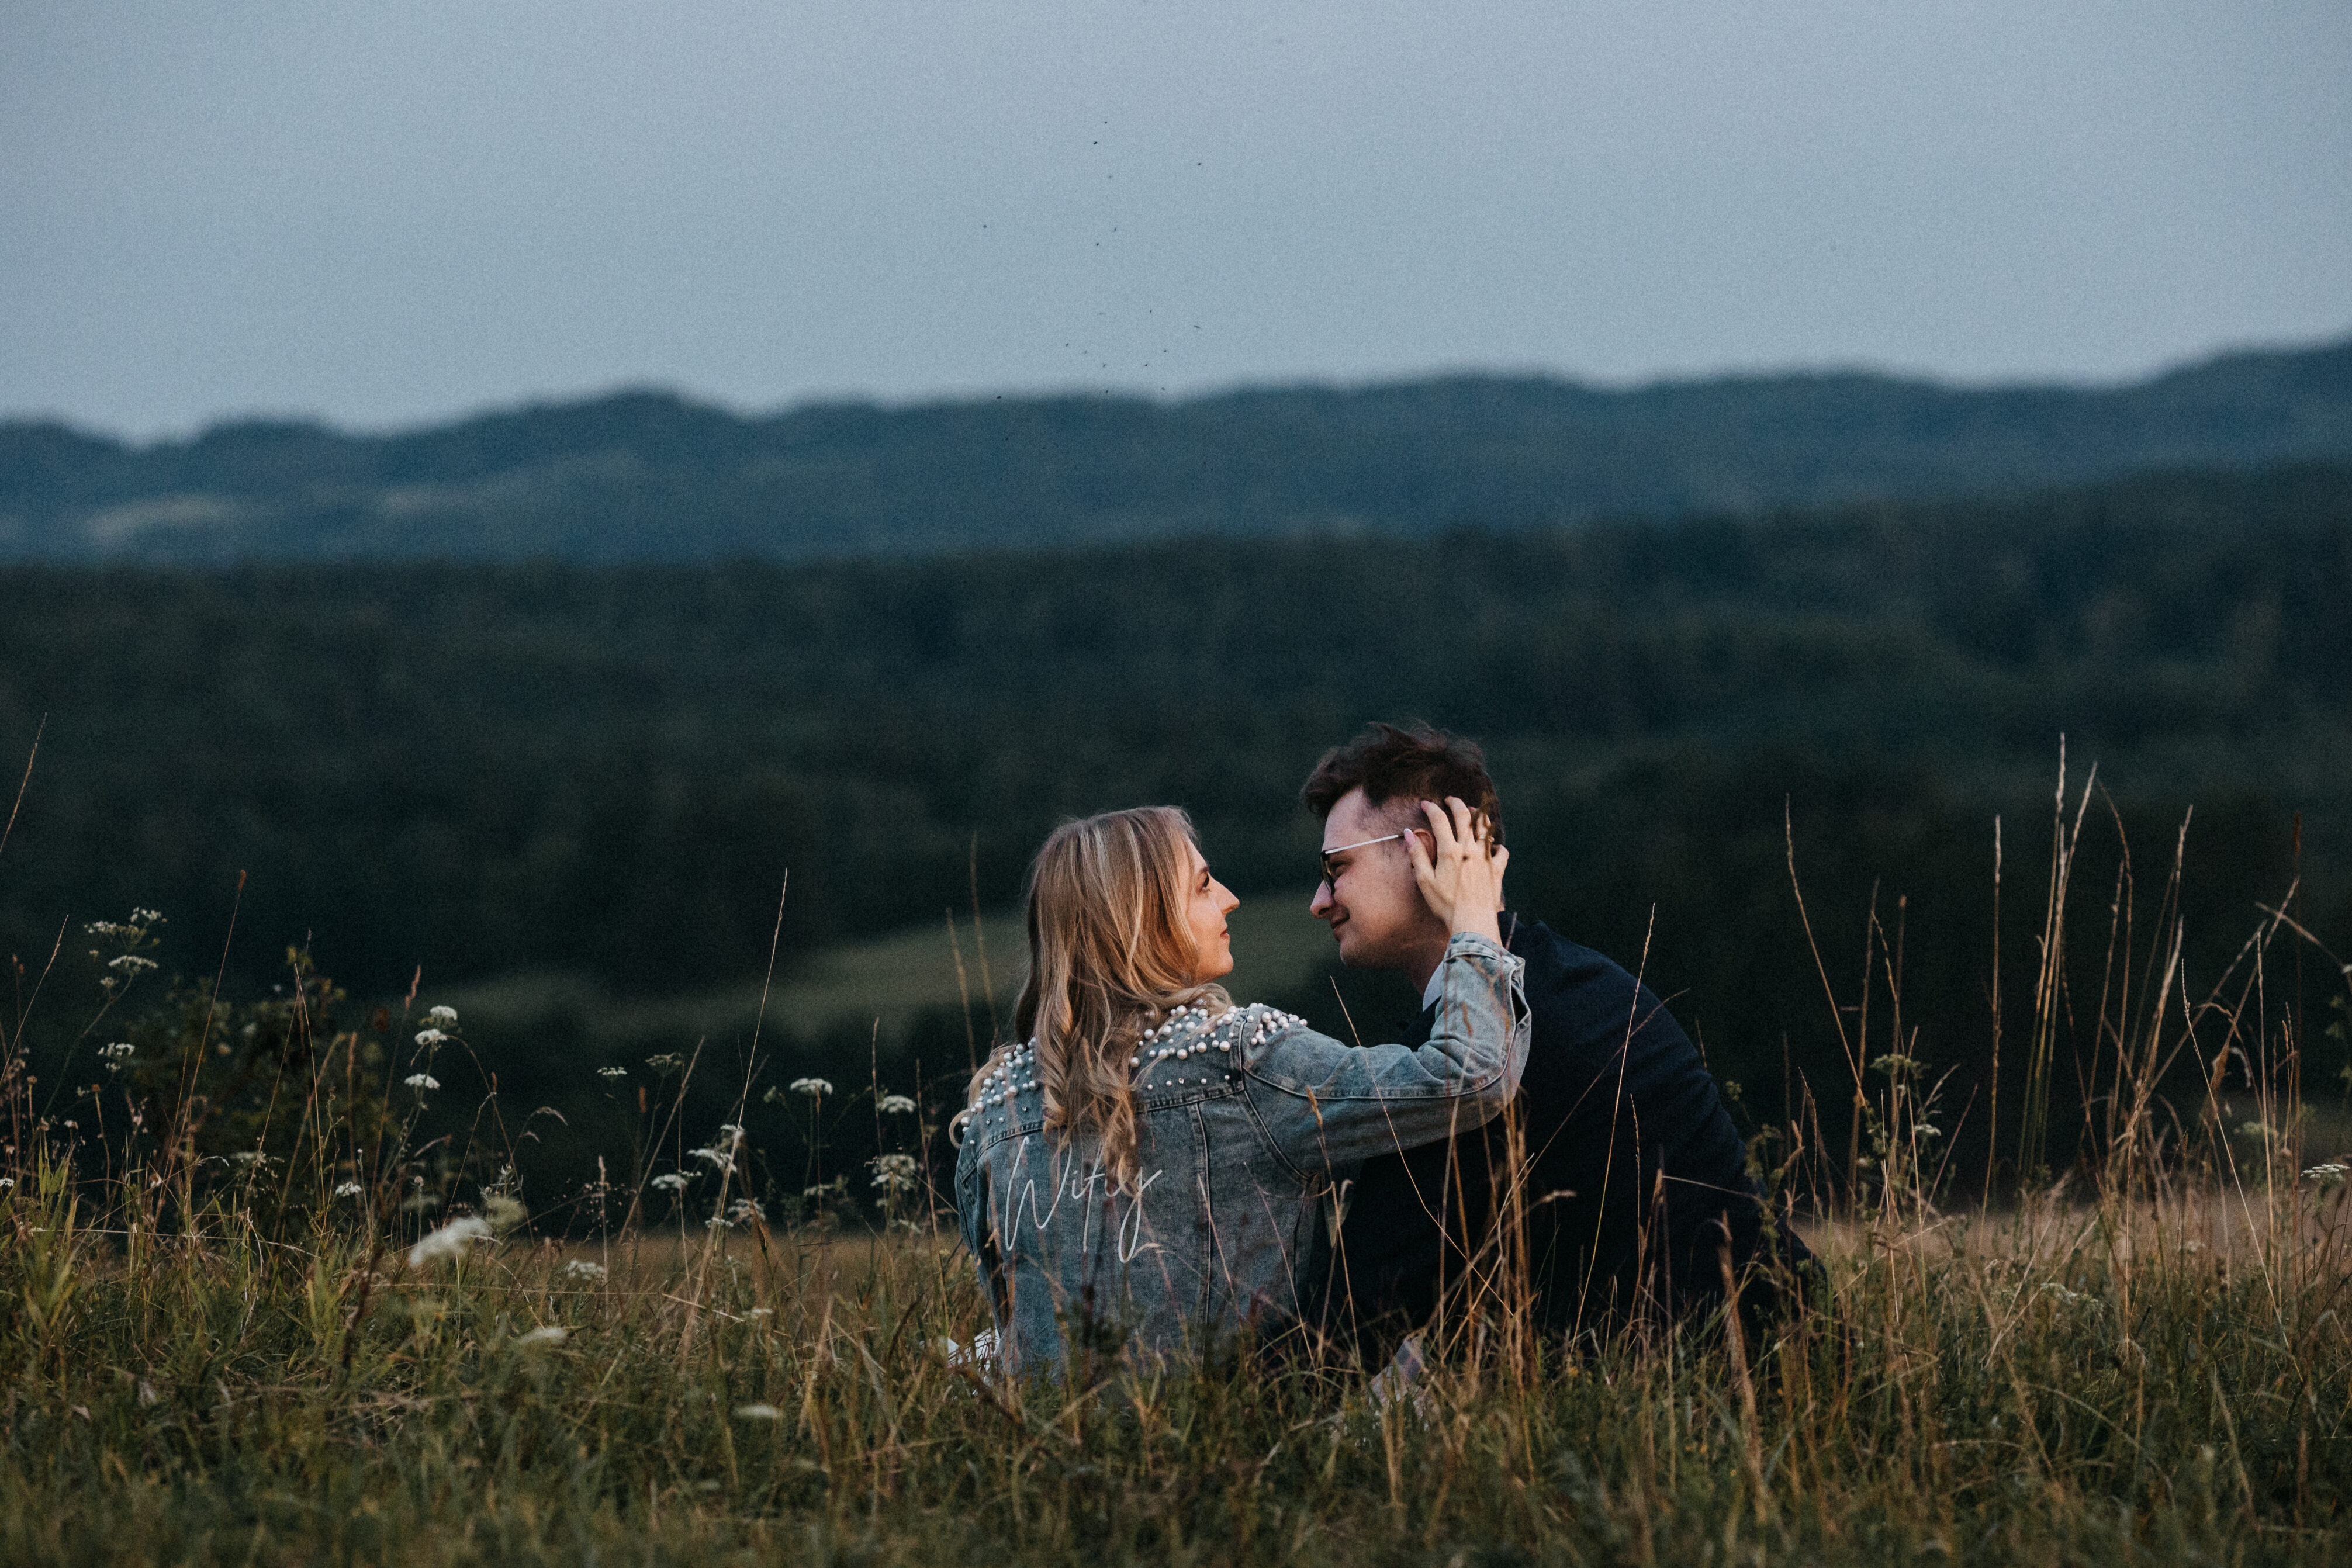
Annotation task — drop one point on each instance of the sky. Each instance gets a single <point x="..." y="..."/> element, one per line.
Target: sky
<point x="384" y="215"/>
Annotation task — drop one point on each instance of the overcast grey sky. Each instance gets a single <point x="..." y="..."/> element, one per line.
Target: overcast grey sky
<point x="388" y="213"/>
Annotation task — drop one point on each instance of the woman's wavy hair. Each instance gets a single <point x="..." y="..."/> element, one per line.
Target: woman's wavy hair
<point x="1110" y="953"/>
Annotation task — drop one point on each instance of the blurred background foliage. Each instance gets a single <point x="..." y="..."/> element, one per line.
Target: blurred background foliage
<point x="568" y="794"/>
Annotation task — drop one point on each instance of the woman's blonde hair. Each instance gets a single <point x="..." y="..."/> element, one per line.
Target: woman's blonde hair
<point x="1110" y="953"/>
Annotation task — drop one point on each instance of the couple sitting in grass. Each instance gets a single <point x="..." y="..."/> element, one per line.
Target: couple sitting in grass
<point x="1151" y="1169"/>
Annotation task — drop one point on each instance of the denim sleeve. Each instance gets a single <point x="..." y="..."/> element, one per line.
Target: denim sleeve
<point x="1326" y="1102"/>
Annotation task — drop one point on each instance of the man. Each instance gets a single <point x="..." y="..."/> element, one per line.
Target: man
<point x="1620" y="1156"/>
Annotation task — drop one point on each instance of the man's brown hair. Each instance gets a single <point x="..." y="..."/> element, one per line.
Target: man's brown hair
<point x="1391" y="762"/>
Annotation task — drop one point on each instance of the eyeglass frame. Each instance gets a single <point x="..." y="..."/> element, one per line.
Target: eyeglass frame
<point x="1331" y="878"/>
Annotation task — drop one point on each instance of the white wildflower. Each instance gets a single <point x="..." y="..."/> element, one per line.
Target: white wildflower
<point x="612" y="1073"/>
<point x="131" y="929"/>
<point x="550" y="1334"/>
<point x="745" y="1209"/>
<point x="431" y="1037"/>
<point x="249" y="1157"/>
<point x="897" y="1105"/>
<point x="422" y="1080"/>
<point x="720" y="1153"/>
<point x="441" y="1017"/>
<point x="758" y="1413"/>
<point x="350" y="1189"/>
<point x="814" y="1088"/>
<point x="2330" y="1175"/>
<point x="118" y="1051"/>
<point x="673" y="1181"/>
<point x="893" y="1174"/>
<point x="6" y="1182"/>
<point x="450" y="1241"/>
<point x="581" y="1268"/>
<point x="131" y="963"/>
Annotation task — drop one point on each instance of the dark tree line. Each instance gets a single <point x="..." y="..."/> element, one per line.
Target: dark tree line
<point x="486" y="768"/>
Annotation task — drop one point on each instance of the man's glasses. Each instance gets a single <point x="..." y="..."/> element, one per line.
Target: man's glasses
<point x="1331" y="874"/>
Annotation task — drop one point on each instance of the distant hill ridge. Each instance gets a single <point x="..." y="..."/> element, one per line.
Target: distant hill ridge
<point x="648" y="475"/>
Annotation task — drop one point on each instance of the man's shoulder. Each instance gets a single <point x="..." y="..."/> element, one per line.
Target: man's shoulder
<point x="1578" y="991"/>
<point x="1554" y="962"/>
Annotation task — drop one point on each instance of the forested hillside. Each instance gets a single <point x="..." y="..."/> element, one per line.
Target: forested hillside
<point x="646" y="476"/>
<point x="486" y="769"/>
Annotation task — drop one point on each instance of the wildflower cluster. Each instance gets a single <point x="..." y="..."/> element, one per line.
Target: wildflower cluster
<point x="742" y="1211"/>
<point x="720" y="1154"/>
<point x="129" y="938"/>
<point x="894" y="1174"/>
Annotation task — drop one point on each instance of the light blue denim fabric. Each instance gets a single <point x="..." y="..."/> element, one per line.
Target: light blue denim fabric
<point x="1245" y="1121"/>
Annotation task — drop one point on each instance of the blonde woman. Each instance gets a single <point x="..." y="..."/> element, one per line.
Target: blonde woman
<point x="1140" y="1175"/>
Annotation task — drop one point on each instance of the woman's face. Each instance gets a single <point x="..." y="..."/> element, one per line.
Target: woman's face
<point x="1205" y="912"/>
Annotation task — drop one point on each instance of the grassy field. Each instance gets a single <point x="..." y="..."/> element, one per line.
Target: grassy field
<point x="2163" y="1381"/>
<point x="289" y="1328"/>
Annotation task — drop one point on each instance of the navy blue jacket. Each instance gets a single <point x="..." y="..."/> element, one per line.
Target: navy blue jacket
<point x="1635" y="1175"/>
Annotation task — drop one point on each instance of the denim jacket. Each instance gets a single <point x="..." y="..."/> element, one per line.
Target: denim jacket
<point x="1244" y="1119"/>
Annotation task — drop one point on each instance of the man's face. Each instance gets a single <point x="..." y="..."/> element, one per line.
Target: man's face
<point x="1372" y="905"/>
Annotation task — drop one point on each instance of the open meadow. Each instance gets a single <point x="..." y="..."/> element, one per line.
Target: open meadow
<point x="600" y="1220"/>
<point x="2103" y="1381"/>
<point x="260" y="1317"/>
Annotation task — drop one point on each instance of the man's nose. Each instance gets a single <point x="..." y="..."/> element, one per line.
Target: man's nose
<point x="1321" y="901"/>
